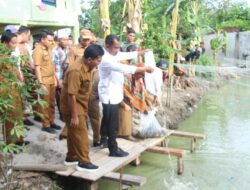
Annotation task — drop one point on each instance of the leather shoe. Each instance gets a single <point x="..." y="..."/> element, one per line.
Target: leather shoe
<point x="28" y="122"/>
<point x="22" y="143"/>
<point x="118" y="153"/>
<point x="55" y="126"/>
<point x="48" y="130"/>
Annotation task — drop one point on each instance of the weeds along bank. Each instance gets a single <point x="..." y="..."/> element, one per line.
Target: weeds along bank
<point x="186" y="94"/>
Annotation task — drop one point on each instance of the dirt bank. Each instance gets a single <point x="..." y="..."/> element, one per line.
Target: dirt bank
<point x="183" y="100"/>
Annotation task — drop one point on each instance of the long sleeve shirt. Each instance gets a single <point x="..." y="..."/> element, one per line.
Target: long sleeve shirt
<point x="59" y="60"/>
<point x="111" y="72"/>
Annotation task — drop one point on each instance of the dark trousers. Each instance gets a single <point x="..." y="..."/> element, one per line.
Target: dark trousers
<point x="58" y="94"/>
<point x="109" y="124"/>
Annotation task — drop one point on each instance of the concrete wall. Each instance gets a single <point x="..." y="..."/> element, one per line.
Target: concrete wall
<point x="238" y="44"/>
<point x="27" y="12"/>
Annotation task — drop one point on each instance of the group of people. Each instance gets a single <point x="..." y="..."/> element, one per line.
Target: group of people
<point x="77" y="78"/>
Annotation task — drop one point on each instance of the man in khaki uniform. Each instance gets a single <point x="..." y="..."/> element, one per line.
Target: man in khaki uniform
<point x="45" y="74"/>
<point x="77" y="86"/>
<point x="76" y="52"/>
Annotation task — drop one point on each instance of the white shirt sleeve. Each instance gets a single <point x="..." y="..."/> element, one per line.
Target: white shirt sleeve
<point x="119" y="67"/>
<point x="121" y="56"/>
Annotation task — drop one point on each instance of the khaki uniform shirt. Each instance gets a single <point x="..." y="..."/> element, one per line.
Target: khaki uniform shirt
<point x="76" y="52"/>
<point x="78" y="82"/>
<point x="42" y="57"/>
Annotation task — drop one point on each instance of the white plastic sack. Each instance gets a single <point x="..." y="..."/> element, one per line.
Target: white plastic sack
<point x="149" y="127"/>
<point x="153" y="81"/>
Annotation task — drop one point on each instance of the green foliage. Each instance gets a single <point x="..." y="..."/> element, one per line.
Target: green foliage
<point x="12" y="88"/>
<point x="115" y="12"/>
<point x="219" y="42"/>
<point x="90" y="18"/>
<point x="229" y="14"/>
<point x="157" y="40"/>
<point x="205" y="60"/>
<point x="10" y="148"/>
<point x="18" y="130"/>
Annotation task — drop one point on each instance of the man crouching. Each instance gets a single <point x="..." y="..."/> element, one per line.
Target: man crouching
<point x="76" y="90"/>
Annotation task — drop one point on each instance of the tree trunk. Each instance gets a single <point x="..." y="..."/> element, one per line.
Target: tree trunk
<point x="104" y="18"/>
<point x="134" y="14"/>
<point x="172" y="43"/>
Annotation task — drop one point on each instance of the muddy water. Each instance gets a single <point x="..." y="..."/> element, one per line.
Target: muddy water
<point x="222" y="162"/>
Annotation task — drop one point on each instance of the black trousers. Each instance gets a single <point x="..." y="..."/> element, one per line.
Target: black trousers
<point x="58" y="94"/>
<point x="109" y="124"/>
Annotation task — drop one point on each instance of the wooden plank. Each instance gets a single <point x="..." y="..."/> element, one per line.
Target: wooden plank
<point x="68" y="172"/>
<point x="137" y="161"/>
<point x="40" y="167"/>
<point x="166" y="150"/>
<point x="92" y="186"/>
<point x="179" y="153"/>
<point x="126" y="179"/>
<point x="108" y="164"/>
<point x="180" y="166"/>
<point x="151" y="141"/>
<point x="193" y="141"/>
<point x="125" y="187"/>
<point x="187" y="134"/>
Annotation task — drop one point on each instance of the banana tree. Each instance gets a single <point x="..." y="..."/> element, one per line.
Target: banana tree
<point x="217" y="44"/>
<point x="104" y="18"/>
<point x="134" y="13"/>
<point x="172" y="42"/>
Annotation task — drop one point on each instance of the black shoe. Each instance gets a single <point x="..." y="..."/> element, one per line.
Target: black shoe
<point x="22" y="143"/>
<point x="37" y="118"/>
<point x="118" y="153"/>
<point x="61" y="137"/>
<point x="55" y="126"/>
<point x="27" y="128"/>
<point x="28" y="122"/>
<point x="96" y="144"/>
<point x="48" y="130"/>
<point x="103" y="144"/>
<point x="61" y="118"/>
<point x="69" y="162"/>
<point x="86" y="167"/>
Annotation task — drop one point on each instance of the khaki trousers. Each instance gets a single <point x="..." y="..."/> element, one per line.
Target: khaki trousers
<point x="125" y="123"/>
<point x="77" y="140"/>
<point x="48" y="111"/>
<point x="94" y="117"/>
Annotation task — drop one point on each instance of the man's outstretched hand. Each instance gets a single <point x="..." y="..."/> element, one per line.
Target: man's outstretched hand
<point x="149" y="69"/>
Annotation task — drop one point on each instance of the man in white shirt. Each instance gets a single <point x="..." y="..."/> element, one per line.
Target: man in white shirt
<point x="110" y="89"/>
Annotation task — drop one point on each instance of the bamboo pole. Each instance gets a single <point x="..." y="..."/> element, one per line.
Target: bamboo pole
<point x="174" y="24"/>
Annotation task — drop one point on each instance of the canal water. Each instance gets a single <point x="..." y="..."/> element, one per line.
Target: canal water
<point x="221" y="162"/>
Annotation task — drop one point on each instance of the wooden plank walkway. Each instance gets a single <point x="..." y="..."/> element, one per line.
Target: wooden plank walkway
<point x="109" y="164"/>
<point x="187" y="134"/>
